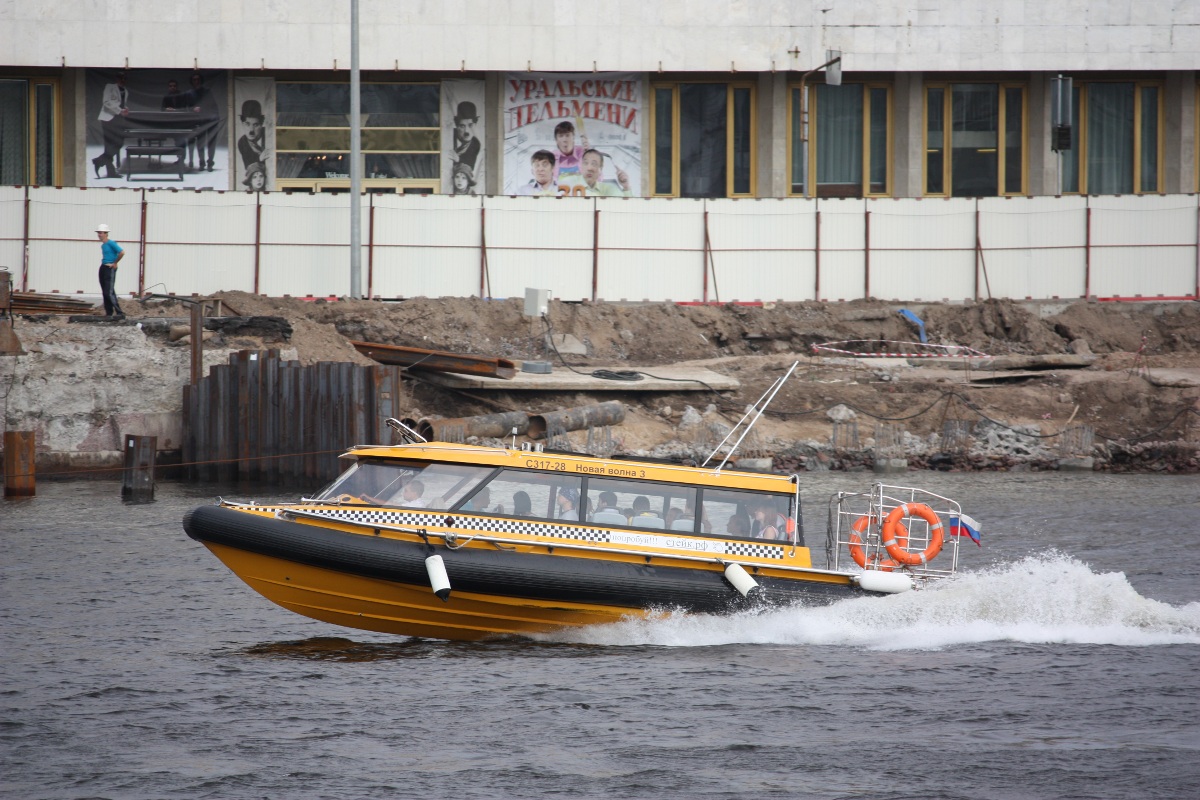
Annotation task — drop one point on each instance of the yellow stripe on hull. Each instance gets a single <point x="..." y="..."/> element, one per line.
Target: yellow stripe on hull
<point x="372" y="604"/>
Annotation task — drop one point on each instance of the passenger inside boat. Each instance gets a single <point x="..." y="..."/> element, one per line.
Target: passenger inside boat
<point x="568" y="504"/>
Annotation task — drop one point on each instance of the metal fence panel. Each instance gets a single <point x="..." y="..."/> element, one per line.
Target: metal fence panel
<point x="651" y="249"/>
<point x="843" y="236"/>
<point x="922" y="249"/>
<point x="912" y="275"/>
<point x="843" y="275"/>
<point x="415" y="271"/>
<point x="567" y="274"/>
<point x="647" y="275"/>
<point x="762" y="249"/>
<point x="1033" y="247"/>
<point x="425" y="245"/>
<point x="12" y="232"/>
<point x="305" y="245"/>
<point x="199" y="242"/>
<point x="1144" y="246"/>
<point x="64" y="254"/>
<point x="540" y="242"/>
<point x="761" y="224"/>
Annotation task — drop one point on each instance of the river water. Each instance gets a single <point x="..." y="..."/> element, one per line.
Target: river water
<point x="1063" y="662"/>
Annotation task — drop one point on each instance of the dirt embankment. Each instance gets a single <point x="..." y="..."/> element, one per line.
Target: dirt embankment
<point x="1142" y="389"/>
<point x="1130" y="400"/>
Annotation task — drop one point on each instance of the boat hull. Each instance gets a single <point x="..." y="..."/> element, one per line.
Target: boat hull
<point x="366" y="580"/>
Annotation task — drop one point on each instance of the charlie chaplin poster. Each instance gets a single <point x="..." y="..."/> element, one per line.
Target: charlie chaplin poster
<point x="254" y="104"/>
<point x="463" y="151"/>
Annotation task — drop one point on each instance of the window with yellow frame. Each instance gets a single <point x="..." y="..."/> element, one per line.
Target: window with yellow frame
<point x="401" y="136"/>
<point x="975" y="136"/>
<point x="850" y="136"/>
<point x="1118" y="139"/>
<point x="30" y="142"/>
<point x="703" y="140"/>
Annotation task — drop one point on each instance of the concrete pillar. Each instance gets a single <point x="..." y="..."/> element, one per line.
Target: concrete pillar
<point x="772" y="141"/>
<point x="1043" y="162"/>
<point x="908" y="130"/>
<point x="1179" y="133"/>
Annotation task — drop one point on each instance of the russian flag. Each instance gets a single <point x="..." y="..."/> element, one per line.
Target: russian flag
<point x="965" y="526"/>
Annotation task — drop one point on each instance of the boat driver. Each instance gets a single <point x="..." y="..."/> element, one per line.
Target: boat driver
<point x="411" y="495"/>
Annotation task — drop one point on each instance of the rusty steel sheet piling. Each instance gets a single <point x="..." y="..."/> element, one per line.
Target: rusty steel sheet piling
<point x="495" y="426"/>
<point x="259" y="418"/>
<point x="576" y="419"/>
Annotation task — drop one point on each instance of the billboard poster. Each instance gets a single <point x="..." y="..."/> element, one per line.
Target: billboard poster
<point x="157" y="126"/>
<point x="463" y="150"/>
<point x="254" y="166"/>
<point x="573" y="134"/>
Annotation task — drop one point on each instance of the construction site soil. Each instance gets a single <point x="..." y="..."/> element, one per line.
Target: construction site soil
<point x="1126" y="399"/>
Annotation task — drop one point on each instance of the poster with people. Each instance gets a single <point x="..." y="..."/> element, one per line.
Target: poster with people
<point x="463" y="151"/>
<point x="254" y="166"/>
<point x="157" y="126"/>
<point x="573" y="134"/>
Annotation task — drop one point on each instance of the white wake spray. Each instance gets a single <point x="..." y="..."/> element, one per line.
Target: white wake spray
<point x="1044" y="599"/>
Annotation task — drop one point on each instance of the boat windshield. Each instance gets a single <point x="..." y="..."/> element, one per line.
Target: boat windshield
<point x="404" y="484"/>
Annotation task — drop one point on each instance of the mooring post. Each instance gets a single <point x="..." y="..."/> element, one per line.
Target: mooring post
<point x="137" y="482"/>
<point x="18" y="464"/>
<point x="197" y="343"/>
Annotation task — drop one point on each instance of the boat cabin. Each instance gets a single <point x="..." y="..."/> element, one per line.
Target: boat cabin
<point x="569" y="488"/>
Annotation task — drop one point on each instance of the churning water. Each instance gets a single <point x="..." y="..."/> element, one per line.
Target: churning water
<point x="1063" y="662"/>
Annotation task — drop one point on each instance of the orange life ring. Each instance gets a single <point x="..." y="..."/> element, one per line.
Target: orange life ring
<point x="891" y="537"/>
<point x="860" y="555"/>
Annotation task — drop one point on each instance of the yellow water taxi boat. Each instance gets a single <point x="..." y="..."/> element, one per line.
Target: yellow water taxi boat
<point x="455" y="541"/>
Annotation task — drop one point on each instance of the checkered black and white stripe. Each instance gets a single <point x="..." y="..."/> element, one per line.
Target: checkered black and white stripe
<point x="503" y="526"/>
<point x="755" y="550"/>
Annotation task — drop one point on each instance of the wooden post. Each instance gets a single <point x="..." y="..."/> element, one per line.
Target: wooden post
<point x="18" y="464"/>
<point x="137" y="482"/>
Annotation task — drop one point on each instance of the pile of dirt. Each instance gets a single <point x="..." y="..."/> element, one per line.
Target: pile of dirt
<point x="1115" y="396"/>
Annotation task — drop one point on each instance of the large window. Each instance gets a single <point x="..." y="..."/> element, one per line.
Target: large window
<point x="975" y="139"/>
<point x="703" y="136"/>
<point x="1117" y="148"/>
<point x="29" y="137"/>
<point x="849" y="141"/>
<point x="401" y="138"/>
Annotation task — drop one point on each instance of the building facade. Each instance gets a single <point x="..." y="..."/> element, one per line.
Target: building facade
<point x="936" y="98"/>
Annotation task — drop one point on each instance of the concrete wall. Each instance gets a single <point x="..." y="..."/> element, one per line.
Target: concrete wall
<point x="559" y="35"/>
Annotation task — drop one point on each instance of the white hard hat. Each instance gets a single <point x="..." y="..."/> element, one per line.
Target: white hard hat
<point x="101" y="228"/>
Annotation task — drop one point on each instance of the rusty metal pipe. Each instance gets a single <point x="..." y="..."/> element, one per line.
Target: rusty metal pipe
<point x="575" y="419"/>
<point x="495" y="426"/>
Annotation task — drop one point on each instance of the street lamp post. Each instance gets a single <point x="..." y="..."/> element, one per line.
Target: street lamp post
<point x="833" y="60"/>
<point x="355" y="159"/>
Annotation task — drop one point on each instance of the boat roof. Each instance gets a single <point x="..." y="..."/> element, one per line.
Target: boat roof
<point x="578" y="464"/>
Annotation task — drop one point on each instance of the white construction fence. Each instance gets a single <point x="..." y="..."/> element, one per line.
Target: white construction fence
<point x="200" y="242"/>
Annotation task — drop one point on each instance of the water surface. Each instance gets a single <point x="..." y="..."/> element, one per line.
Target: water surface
<point x="1062" y="663"/>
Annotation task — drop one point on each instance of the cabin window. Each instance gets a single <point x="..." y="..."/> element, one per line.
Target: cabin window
<point x="540" y="495"/>
<point x="406" y="484"/>
<point x="634" y="504"/>
<point x="747" y="514"/>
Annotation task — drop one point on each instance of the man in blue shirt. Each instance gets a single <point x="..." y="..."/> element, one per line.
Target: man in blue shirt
<point x="110" y="254"/>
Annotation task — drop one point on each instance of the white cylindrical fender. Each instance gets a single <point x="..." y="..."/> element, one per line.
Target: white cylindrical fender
<point x="740" y="579"/>
<point x="886" y="582"/>
<point x="438" y="578"/>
